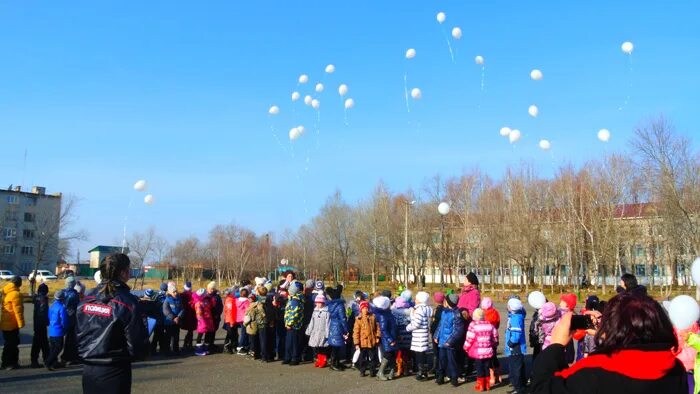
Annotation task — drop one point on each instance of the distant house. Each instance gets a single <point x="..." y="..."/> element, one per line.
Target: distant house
<point x="99" y="252"/>
<point x="81" y="268"/>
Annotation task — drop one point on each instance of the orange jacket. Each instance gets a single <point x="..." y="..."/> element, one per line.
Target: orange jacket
<point x="12" y="317"/>
<point x="230" y="310"/>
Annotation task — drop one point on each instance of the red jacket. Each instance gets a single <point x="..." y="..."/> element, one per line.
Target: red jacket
<point x="230" y="310"/>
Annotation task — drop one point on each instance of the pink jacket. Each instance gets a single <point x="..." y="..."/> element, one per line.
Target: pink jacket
<point x="686" y="353"/>
<point x="242" y="304"/>
<point x="482" y="338"/>
<point x="470" y="298"/>
<point x="205" y="321"/>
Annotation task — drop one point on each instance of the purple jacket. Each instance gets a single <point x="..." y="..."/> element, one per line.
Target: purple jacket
<point x="470" y="299"/>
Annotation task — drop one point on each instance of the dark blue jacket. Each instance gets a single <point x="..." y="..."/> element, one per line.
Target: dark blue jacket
<point x="338" y="325"/>
<point x="41" y="311"/>
<point x="387" y="328"/>
<point x="451" y="329"/>
<point x="172" y="308"/>
<point x="58" y="319"/>
<point x="71" y="303"/>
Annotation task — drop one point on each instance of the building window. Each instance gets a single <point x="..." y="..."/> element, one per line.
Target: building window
<point x="11" y="216"/>
<point x="30" y="201"/>
<point x="28" y="250"/>
<point x="13" y="200"/>
<point x="28" y="234"/>
<point x="8" y="249"/>
<point x="9" y="233"/>
<point x="29" y="217"/>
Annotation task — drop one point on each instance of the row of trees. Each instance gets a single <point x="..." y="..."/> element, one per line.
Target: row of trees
<point x="594" y="221"/>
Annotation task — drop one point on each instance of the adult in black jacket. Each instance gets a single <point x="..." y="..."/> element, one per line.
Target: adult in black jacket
<point x="111" y="330"/>
<point x="40" y="341"/>
<point x="634" y="354"/>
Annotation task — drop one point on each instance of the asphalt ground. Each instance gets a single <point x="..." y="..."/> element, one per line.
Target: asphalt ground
<point x="223" y="372"/>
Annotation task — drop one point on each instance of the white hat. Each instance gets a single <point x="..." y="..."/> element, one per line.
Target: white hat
<point x="422" y="297"/>
<point x="382" y="302"/>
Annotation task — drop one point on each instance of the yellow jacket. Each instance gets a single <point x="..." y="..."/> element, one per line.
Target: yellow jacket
<point x="12" y="308"/>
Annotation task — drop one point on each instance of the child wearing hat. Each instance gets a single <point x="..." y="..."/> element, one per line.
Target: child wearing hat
<point x="548" y="318"/>
<point x="439" y="299"/>
<point x="58" y="321"/>
<point x="366" y="336"/>
<point x="420" y="338"/>
<point x="402" y="316"/>
<point x="388" y="337"/>
<point x="40" y="341"/>
<point x="567" y="303"/>
<point x="317" y="331"/>
<point x="338" y="330"/>
<point x="173" y="313"/>
<point x="242" y="304"/>
<point x="492" y="316"/>
<point x="480" y="344"/>
<point x="230" y="325"/>
<point x="449" y="336"/>
<point x="515" y="345"/>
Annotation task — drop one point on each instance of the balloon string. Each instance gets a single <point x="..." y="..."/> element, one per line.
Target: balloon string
<point x="277" y="140"/>
<point x="405" y="91"/>
<point x="629" y="83"/>
<point x="483" y="77"/>
<point x="449" y="45"/>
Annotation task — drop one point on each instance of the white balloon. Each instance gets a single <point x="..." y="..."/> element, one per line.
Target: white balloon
<point x="140" y="185"/>
<point x="295" y="96"/>
<point x="440" y="17"/>
<point x="349" y="103"/>
<point x="343" y="89"/>
<point x="315" y="104"/>
<point x="604" y="135"/>
<point x="533" y="111"/>
<point x="536" y="75"/>
<point x="456" y="33"/>
<point x="149" y="199"/>
<point x="301" y="129"/>
<point x="443" y="208"/>
<point x="330" y="69"/>
<point x="627" y="47"/>
<point x="695" y="271"/>
<point x="410" y="53"/>
<point x="98" y="276"/>
<point x="416" y="93"/>
<point x="505" y="131"/>
<point x="545" y="145"/>
<point x="307" y="100"/>
<point x="683" y="311"/>
<point x="274" y="110"/>
<point x="303" y="78"/>
<point x="479" y="60"/>
<point x="536" y="299"/>
<point x="319" y="87"/>
<point x="294" y="133"/>
<point x="514" y="136"/>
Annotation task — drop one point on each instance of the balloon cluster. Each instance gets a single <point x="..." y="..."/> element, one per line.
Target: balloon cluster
<point x="141" y="186"/>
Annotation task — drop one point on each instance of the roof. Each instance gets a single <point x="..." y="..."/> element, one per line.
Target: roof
<point x="636" y="210"/>
<point x="108" y="249"/>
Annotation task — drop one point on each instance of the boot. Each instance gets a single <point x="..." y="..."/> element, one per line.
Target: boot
<point x="439" y="378"/>
<point x="421" y="376"/>
<point x="487" y="384"/>
<point x="392" y="374"/>
<point x="497" y="374"/>
<point x="382" y="367"/>
<point x="480" y="384"/>
<point x="322" y="359"/>
<point x="399" y="363"/>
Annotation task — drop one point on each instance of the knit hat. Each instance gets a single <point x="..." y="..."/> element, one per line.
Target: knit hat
<point x="359" y="294"/>
<point x="334" y="294"/>
<point x="319" y="285"/>
<point x="471" y="277"/>
<point x="70" y="282"/>
<point x="514" y="305"/>
<point x="171" y="287"/>
<point x="310" y="284"/>
<point x="149" y="293"/>
<point x="293" y="289"/>
<point x="407" y="295"/>
<point x="452" y="300"/>
<point x="382" y="302"/>
<point x="400" y="302"/>
<point x="592" y="303"/>
<point x="570" y="300"/>
<point x="260" y="281"/>
<point x="59" y="295"/>
<point x="320" y="299"/>
<point x="439" y="297"/>
<point x="16" y="280"/>
<point x="486" y="303"/>
<point x="549" y="310"/>
<point x="201" y="292"/>
<point x="386" y="293"/>
<point x="364" y="305"/>
<point x="188" y="285"/>
<point x="422" y="297"/>
<point x="43" y="289"/>
<point x="163" y="286"/>
<point x="211" y="285"/>
<point x="478" y="314"/>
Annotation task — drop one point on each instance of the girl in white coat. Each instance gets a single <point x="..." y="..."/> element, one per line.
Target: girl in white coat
<point x="420" y="335"/>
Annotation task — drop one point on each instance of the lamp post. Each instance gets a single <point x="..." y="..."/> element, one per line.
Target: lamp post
<point x="443" y="210"/>
<point x="405" y="244"/>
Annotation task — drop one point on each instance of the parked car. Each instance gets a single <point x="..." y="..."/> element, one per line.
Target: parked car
<point x="42" y="275"/>
<point x="6" y="275"/>
<point x="65" y="274"/>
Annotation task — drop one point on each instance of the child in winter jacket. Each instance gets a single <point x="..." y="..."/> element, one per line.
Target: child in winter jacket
<point x="58" y="322"/>
<point x="318" y="329"/>
<point x="420" y="337"/>
<point x="481" y="340"/>
<point x="567" y="303"/>
<point x="366" y="336"/>
<point x="439" y="299"/>
<point x="338" y="330"/>
<point x="388" y="335"/>
<point x="492" y="316"/>
<point x="693" y="340"/>
<point x="174" y="314"/>
<point x="205" y="322"/>
<point x="254" y="322"/>
<point x="515" y="344"/>
<point x="242" y="304"/>
<point x="402" y="316"/>
<point x="293" y="320"/>
<point x="40" y="341"/>
<point x="230" y="324"/>
<point x="449" y="336"/>
<point x="548" y="318"/>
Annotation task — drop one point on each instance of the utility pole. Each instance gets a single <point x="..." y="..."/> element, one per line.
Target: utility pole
<point x="374" y="262"/>
<point x="405" y="244"/>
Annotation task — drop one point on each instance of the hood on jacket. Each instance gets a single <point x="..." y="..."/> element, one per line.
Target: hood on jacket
<point x="8" y="288"/>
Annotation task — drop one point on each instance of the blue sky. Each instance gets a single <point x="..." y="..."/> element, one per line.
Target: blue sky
<point x="101" y="94"/>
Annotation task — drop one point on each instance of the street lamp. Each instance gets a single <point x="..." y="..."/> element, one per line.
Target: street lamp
<point x="443" y="210"/>
<point x="405" y="244"/>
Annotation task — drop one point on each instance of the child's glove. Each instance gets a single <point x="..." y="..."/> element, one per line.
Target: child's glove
<point x="246" y="320"/>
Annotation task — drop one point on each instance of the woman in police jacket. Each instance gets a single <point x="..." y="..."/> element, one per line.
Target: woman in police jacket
<point x="112" y="330"/>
